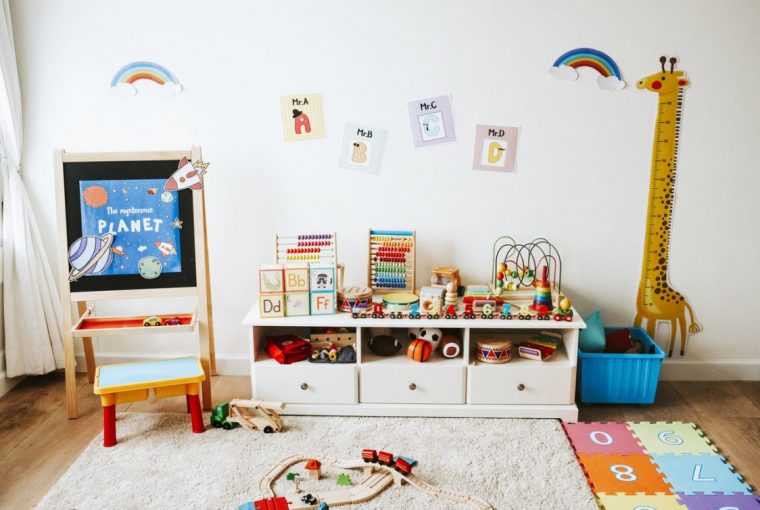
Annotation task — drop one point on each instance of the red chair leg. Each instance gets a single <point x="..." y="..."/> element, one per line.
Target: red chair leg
<point x="196" y="415"/>
<point x="109" y="425"/>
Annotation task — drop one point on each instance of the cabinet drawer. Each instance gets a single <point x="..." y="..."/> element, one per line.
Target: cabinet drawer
<point x="305" y="383"/>
<point x="385" y="384"/>
<point x="520" y="383"/>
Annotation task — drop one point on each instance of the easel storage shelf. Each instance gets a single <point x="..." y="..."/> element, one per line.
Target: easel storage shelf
<point x="382" y="386"/>
<point x="191" y="281"/>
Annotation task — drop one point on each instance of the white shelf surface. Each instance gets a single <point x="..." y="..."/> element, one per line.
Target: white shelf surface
<point x="401" y="359"/>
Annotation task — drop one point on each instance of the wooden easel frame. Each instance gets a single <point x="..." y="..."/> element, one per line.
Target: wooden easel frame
<point x="202" y="289"/>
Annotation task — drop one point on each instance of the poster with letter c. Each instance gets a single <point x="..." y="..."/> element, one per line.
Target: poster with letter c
<point x="431" y="121"/>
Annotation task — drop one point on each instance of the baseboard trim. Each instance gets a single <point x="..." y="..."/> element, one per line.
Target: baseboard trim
<point x="715" y="370"/>
<point x="225" y="364"/>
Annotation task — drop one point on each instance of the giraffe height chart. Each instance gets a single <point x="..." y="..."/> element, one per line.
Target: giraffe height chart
<point x="657" y="300"/>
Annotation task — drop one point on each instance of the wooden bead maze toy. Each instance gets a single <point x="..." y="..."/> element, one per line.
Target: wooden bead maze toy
<point x="516" y="266"/>
<point x="392" y="261"/>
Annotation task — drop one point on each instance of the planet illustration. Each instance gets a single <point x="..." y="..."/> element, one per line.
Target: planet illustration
<point x="149" y="267"/>
<point x="167" y="197"/>
<point x="95" y="196"/>
<point x="90" y="255"/>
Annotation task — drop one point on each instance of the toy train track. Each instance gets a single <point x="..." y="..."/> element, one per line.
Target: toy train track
<point x="383" y="471"/>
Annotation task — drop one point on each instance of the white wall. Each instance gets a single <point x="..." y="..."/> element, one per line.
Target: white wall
<point x="583" y="158"/>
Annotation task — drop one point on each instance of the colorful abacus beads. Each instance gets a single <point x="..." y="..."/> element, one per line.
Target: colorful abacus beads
<point x="307" y="237"/>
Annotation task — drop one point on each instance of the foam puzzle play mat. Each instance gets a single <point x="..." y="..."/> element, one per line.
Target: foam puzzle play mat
<point x="657" y="466"/>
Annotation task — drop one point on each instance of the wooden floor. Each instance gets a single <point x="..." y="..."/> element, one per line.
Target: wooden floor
<point x="38" y="443"/>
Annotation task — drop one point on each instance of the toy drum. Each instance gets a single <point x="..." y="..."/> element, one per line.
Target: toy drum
<point x="399" y="301"/>
<point x="493" y="351"/>
<point x="351" y="297"/>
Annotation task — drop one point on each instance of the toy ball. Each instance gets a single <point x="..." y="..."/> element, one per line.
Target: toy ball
<point x="432" y="335"/>
<point x="450" y="347"/>
<point x="384" y="345"/>
<point x="565" y="304"/>
<point x="499" y="283"/>
<point x="413" y="333"/>
<point x="419" y="350"/>
<point x="502" y="267"/>
<point x="497" y="290"/>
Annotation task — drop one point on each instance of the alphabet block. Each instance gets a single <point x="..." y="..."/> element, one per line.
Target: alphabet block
<point x="296" y="278"/>
<point x="296" y="304"/>
<point x="431" y="300"/>
<point x="322" y="278"/>
<point x="322" y="303"/>
<point x="271" y="279"/>
<point x="272" y="305"/>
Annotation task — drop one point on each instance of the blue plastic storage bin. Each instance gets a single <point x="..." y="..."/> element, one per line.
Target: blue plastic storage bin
<point x="620" y="378"/>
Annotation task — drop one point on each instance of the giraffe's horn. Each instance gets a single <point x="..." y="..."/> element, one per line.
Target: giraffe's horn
<point x="662" y="62"/>
<point x="673" y="61"/>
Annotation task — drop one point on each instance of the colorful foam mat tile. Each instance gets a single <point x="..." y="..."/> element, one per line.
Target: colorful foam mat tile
<point x="719" y="501"/>
<point x="623" y="474"/>
<point x="640" y="501"/>
<point x="602" y="438"/>
<point x="701" y="474"/>
<point x="675" y="438"/>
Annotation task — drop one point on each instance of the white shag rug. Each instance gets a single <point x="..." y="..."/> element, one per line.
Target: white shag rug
<point x="160" y="463"/>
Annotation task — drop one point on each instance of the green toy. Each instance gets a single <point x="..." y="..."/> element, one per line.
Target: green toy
<point x="343" y="479"/>
<point x="219" y="417"/>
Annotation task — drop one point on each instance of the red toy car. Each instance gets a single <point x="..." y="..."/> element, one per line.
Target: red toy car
<point x="172" y="321"/>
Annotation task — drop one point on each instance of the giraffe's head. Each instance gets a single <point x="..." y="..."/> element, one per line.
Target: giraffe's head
<point x="664" y="82"/>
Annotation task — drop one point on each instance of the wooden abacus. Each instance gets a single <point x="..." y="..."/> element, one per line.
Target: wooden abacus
<point x="322" y="248"/>
<point x="392" y="261"/>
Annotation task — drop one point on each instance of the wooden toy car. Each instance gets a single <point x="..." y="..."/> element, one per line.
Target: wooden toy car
<point x="369" y="455"/>
<point x="172" y="321"/>
<point x="152" y="321"/>
<point x="451" y="312"/>
<point x="249" y="414"/>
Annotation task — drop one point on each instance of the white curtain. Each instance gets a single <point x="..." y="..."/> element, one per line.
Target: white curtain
<point x="32" y="311"/>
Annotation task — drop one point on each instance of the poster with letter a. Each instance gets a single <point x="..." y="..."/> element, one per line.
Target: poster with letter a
<point x="495" y="148"/>
<point x="302" y="117"/>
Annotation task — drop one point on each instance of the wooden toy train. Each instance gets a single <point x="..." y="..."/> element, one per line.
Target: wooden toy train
<point x="475" y="309"/>
<point x="400" y="463"/>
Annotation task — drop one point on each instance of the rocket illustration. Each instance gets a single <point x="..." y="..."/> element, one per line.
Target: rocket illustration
<point x="188" y="175"/>
<point x="166" y="248"/>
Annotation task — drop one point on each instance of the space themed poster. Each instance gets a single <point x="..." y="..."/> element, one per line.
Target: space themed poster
<point x="143" y="222"/>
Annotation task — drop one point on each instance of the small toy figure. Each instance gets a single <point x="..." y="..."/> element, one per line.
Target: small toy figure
<point x="564" y="310"/>
<point x="309" y="499"/>
<point x="152" y="321"/>
<point x="314" y="467"/>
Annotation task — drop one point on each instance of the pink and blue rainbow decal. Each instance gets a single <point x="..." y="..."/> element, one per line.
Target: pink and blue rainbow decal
<point x="136" y="71"/>
<point x="589" y="57"/>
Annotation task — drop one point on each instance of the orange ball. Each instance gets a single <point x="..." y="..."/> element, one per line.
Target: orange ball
<point x="419" y="350"/>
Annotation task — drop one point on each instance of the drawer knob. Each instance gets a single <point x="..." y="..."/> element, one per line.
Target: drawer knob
<point x="412" y="386"/>
<point x="520" y="387"/>
<point x="304" y="386"/>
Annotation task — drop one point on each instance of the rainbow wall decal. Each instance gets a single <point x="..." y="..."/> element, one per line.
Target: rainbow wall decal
<point x="565" y="67"/>
<point x="126" y="78"/>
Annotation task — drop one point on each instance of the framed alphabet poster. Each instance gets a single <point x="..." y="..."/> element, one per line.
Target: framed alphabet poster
<point x="431" y="121"/>
<point x="362" y="148"/>
<point x="495" y="148"/>
<point x="302" y="117"/>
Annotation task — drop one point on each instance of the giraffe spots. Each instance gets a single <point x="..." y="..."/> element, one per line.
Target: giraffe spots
<point x="657" y="290"/>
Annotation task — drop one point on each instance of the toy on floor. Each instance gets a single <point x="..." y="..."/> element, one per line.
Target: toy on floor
<point x="249" y="414"/>
<point x="381" y="469"/>
<point x="131" y="382"/>
<point x="657" y="465"/>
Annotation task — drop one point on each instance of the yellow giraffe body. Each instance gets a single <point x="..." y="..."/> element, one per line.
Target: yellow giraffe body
<point x="657" y="300"/>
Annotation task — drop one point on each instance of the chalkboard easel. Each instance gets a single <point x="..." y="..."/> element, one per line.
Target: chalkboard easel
<point x="121" y="236"/>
